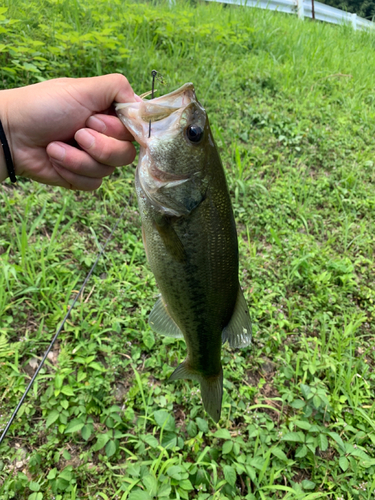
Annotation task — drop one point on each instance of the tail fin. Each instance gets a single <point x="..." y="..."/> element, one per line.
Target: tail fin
<point x="212" y="394"/>
<point x="211" y="388"/>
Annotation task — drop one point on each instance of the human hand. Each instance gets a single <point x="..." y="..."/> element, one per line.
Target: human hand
<point x="40" y="120"/>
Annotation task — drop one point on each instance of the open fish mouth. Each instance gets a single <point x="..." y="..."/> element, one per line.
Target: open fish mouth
<point x="163" y="112"/>
<point x="169" y="130"/>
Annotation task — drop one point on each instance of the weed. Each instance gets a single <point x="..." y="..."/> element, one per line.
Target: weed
<point x="292" y="107"/>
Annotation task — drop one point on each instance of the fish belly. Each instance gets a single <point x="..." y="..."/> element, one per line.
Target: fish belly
<point x="195" y="262"/>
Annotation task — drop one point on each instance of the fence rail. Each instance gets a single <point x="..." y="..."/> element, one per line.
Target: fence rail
<point x="303" y="8"/>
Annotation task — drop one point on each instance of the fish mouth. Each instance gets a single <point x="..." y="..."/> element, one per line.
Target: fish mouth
<point x="163" y="112"/>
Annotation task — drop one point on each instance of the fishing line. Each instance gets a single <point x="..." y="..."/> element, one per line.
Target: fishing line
<point x="60" y="328"/>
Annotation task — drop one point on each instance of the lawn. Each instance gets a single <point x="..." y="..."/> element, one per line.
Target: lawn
<point x="292" y="108"/>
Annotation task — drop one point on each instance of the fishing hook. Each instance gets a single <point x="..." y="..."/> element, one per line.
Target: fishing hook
<point x="153" y="74"/>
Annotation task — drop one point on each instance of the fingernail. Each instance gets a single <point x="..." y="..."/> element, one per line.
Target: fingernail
<point x="56" y="151"/>
<point x="97" y="124"/>
<point x="84" y="138"/>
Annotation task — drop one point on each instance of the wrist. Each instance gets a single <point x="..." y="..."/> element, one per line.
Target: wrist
<point x="3" y="117"/>
<point x="3" y="168"/>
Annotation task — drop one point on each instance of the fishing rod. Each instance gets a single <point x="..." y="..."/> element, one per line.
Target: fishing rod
<point x="61" y="327"/>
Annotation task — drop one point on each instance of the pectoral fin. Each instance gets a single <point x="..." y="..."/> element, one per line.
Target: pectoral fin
<point x="161" y="321"/>
<point x="238" y="330"/>
<point x="171" y="240"/>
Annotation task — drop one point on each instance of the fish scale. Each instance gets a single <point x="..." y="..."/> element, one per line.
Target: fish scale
<point x="189" y="235"/>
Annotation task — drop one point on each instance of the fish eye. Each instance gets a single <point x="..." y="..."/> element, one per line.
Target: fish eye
<point x="194" y="133"/>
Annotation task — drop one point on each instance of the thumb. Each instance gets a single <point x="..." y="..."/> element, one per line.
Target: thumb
<point x="100" y="92"/>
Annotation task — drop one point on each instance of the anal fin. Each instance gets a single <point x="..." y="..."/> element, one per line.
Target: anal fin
<point x="238" y="330"/>
<point x="162" y="322"/>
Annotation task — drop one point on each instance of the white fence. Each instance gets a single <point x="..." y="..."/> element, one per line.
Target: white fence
<point x="304" y="9"/>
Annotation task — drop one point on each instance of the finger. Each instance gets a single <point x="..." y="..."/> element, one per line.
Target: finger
<point x="110" y="126"/>
<point x="77" y="161"/>
<point x="75" y="181"/>
<point x="102" y="91"/>
<point x="104" y="149"/>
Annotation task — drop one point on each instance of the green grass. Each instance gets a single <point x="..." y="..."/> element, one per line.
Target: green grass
<point x="292" y="107"/>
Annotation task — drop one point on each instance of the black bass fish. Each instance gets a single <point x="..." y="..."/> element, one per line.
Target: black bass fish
<point x="189" y="235"/>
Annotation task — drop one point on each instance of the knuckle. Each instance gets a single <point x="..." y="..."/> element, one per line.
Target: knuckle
<point x="121" y="79"/>
<point x="75" y="163"/>
<point x="104" y="155"/>
<point x="131" y="154"/>
<point x="93" y="185"/>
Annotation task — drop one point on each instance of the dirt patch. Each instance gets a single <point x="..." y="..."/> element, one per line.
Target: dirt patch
<point x="122" y="386"/>
<point x="180" y="416"/>
<point x="300" y="476"/>
<point x="268" y="392"/>
<point x="74" y="461"/>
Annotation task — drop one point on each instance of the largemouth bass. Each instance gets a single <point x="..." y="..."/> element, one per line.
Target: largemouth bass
<point x="189" y="235"/>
